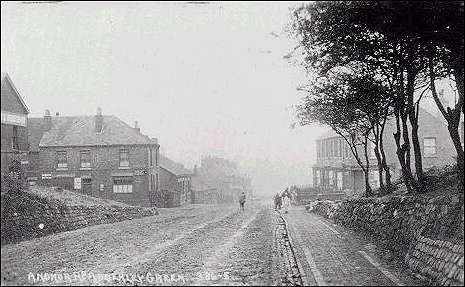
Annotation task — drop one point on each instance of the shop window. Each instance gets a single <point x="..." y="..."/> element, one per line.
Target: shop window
<point x="122" y="185"/>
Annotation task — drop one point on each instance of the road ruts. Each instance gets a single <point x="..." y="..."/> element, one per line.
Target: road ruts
<point x="202" y="246"/>
<point x="236" y="250"/>
<point x="103" y="248"/>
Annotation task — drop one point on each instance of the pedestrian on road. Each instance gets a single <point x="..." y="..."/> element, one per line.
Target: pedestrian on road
<point x="242" y="200"/>
<point x="277" y="201"/>
<point x="286" y="201"/>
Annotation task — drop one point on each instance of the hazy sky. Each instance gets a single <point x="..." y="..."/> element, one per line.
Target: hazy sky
<point x="202" y="78"/>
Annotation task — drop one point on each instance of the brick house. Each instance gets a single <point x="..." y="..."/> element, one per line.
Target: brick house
<point x="97" y="155"/>
<point x="175" y="183"/>
<point x="337" y="170"/>
<point x="14" y="141"/>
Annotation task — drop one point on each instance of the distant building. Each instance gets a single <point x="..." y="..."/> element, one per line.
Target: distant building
<point x="336" y="168"/>
<point x="14" y="113"/>
<point x="203" y="193"/>
<point x="175" y="183"/>
<point x="97" y="155"/>
<point x="224" y="175"/>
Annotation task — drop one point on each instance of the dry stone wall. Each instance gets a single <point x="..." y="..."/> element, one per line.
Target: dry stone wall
<point x="427" y="232"/>
<point x="25" y="216"/>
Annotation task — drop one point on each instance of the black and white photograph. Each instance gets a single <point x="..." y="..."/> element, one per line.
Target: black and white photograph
<point x="232" y="143"/>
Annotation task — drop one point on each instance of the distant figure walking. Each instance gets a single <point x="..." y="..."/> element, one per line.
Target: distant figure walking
<point x="286" y="199"/>
<point x="277" y="201"/>
<point x="242" y="200"/>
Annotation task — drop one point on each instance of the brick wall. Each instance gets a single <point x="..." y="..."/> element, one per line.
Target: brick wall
<point x="23" y="215"/>
<point x="170" y="193"/>
<point x="426" y="232"/>
<point x="7" y="152"/>
<point x="104" y="165"/>
<point x="7" y="134"/>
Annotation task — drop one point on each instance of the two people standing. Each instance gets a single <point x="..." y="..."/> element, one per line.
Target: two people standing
<point x="282" y="201"/>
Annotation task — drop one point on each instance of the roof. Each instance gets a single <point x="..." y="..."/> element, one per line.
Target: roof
<point x="11" y="99"/>
<point x="328" y="134"/>
<point x="35" y="132"/>
<point x="80" y="131"/>
<point x="173" y="167"/>
<point x="198" y="184"/>
<point x="422" y="113"/>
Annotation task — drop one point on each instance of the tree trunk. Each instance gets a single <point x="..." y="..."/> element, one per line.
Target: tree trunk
<point x="401" y="153"/>
<point x="412" y="116"/>
<point x="380" y="167"/>
<point x="368" y="190"/>
<point x="383" y="156"/>
<point x="452" y="116"/>
<point x="454" y="134"/>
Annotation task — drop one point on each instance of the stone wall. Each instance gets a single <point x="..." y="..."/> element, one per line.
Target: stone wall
<point x="427" y="232"/>
<point x="25" y="216"/>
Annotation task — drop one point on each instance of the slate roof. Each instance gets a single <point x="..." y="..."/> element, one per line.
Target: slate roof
<point x="173" y="167"/>
<point x="11" y="99"/>
<point x="328" y="134"/>
<point x="35" y="132"/>
<point x="422" y="113"/>
<point x="80" y="131"/>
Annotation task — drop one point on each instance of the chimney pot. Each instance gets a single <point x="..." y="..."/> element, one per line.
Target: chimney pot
<point x="136" y="126"/>
<point x="98" y="121"/>
<point x="57" y="114"/>
<point x="47" y="120"/>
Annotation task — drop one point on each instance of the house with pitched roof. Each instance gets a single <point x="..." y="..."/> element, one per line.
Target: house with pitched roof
<point x="175" y="183"/>
<point x="98" y="155"/>
<point x="337" y="170"/>
<point x="14" y="141"/>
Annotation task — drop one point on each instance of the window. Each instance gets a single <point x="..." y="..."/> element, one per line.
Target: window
<point x="317" y="177"/>
<point x="122" y="185"/>
<point x="101" y="187"/>
<point x="87" y="180"/>
<point x="372" y="147"/>
<point x="374" y="178"/>
<point x="429" y="145"/>
<point x="124" y="157"/>
<point x="85" y="158"/>
<point x="62" y="159"/>
<point x="331" y="148"/>
<point x="348" y="151"/>
<point x="156" y="159"/>
<point x="340" y="180"/>
<point x="318" y="155"/>
<point x="341" y="148"/>
<point x="14" y="138"/>
<point x="150" y="156"/>
<point x="331" y="177"/>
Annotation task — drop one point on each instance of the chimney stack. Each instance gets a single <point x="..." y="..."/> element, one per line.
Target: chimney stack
<point x="195" y="170"/>
<point x="98" y="121"/>
<point x="47" y="120"/>
<point x="136" y="126"/>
